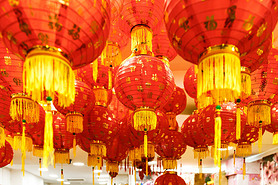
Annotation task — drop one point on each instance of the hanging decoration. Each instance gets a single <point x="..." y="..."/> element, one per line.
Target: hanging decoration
<point x="6" y="154"/>
<point x="38" y="140"/>
<point x="190" y="81"/>
<point x="273" y="127"/>
<point x="214" y="35"/>
<point x="169" y="177"/>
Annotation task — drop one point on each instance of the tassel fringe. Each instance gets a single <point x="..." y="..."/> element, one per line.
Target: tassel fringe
<point x="144" y="119"/>
<point x="150" y="150"/>
<point x="61" y="156"/>
<point x="94" y="161"/>
<point x="243" y="150"/>
<point x="238" y="123"/>
<point x="18" y="143"/>
<point x="74" y="122"/>
<point x="169" y="163"/>
<point x="37" y="151"/>
<point x="245" y="82"/>
<point x="224" y="152"/>
<point x="112" y="167"/>
<point x="201" y="152"/>
<point x="275" y="137"/>
<point x="141" y="40"/>
<point x="101" y="96"/>
<point x="259" y="111"/>
<point x="98" y="149"/>
<point x="217" y="138"/>
<point x="2" y="137"/>
<point x="111" y="55"/>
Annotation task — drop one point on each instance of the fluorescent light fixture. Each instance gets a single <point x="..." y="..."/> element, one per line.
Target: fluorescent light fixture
<point x="102" y="182"/>
<point x="66" y="182"/>
<point x="78" y="164"/>
<point x="60" y="180"/>
<point x="53" y="175"/>
<point x="43" y="169"/>
<point x="97" y="171"/>
<point x="103" y="176"/>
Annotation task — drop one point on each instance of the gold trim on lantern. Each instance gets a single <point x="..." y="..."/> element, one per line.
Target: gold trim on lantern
<point x="2" y="137"/>
<point x="201" y="152"/>
<point x="245" y="82"/>
<point x="101" y="95"/>
<point x="164" y="59"/>
<point x="243" y="149"/>
<point x="111" y="55"/>
<point x="61" y="156"/>
<point x="112" y="166"/>
<point x="37" y="151"/>
<point x="169" y="163"/>
<point x="18" y="143"/>
<point x="171" y="117"/>
<point x="98" y="148"/>
<point x="259" y="111"/>
<point x="74" y="122"/>
<point x="218" y="77"/>
<point x="24" y="108"/>
<point x="170" y="172"/>
<point x="46" y="72"/>
<point x="141" y="40"/>
<point x="94" y="161"/>
<point x="134" y="156"/>
<point x="144" y="118"/>
<point x="150" y="150"/>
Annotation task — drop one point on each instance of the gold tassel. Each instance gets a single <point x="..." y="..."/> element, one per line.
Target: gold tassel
<point x="23" y="147"/>
<point x="238" y="121"/>
<point x="243" y="149"/>
<point x="74" y="122"/>
<point x="146" y="143"/>
<point x="171" y="117"/>
<point x="244" y="168"/>
<point x="38" y="151"/>
<point x="218" y="75"/>
<point x="201" y="152"/>
<point x="40" y="162"/>
<point x="93" y="170"/>
<point x="144" y="118"/>
<point x="74" y="145"/>
<point x="111" y="55"/>
<point x="220" y="173"/>
<point x="169" y="163"/>
<point x="2" y="137"/>
<point x="98" y="148"/>
<point x="23" y="107"/>
<point x="61" y="156"/>
<point x="94" y="65"/>
<point x="147" y="167"/>
<point x="12" y="162"/>
<point x="62" y="176"/>
<point x="217" y="137"/>
<point x="141" y="40"/>
<point x="260" y="140"/>
<point x="47" y="71"/>
<point x="200" y="165"/>
<point x="112" y="167"/>
<point x="245" y="82"/>
<point x="259" y="111"/>
<point x="110" y="82"/>
<point x="48" y="135"/>
<point x="275" y="137"/>
<point x="111" y="181"/>
<point x="135" y="174"/>
<point x="234" y="157"/>
<point x="101" y="96"/>
<point x="17" y="144"/>
<point x="95" y="161"/>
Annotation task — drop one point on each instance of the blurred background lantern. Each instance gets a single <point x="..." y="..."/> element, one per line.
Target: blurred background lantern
<point x="190" y="81"/>
<point x="273" y="127"/>
<point x="214" y="35"/>
<point x="38" y="139"/>
<point x="84" y="100"/>
<point x="169" y="177"/>
<point x="6" y="154"/>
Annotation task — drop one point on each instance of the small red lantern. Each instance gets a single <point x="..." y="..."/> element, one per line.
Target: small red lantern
<point x="84" y="100"/>
<point x="175" y="105"/>
<point x="62" y="139"/>
<point x="273" y="127"/>
<point x="171" y="147"/>
<point x="169" y="177"/>
<point x="213" y="35"/>
<point x="190" y="81"/>
<point x="6" y="154"/>
<point x="60" y="38"/>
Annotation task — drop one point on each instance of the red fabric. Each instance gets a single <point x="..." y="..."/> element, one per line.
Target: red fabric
<point x="145" y="12"/>
<point x="194" y="133"/>
<point x="171" y="146"/>
<point x="162" y="45"/>
<point x="249" y="134"/>
<point x="6" y="154"/>
<point x="228" y="117"/>
<point x="62" y="139"/>
<point x="177" y="102"/>
<point x="118" y="36"/>
<point x="116" y="150"/>
<point x="118" y="109"/>
<point x="79" y="29"/>
<point x="84" y="142"/>
<point x="144" y="81"/>
<point x="195" y="25"/>
<point x="168" y="178"/>
<point x="38" y="138"/>
<point x="5" y="102"/>
<point x="84" y="100"/>
<point x="190" y="82"/>
<point x="116" y="9"/>
<point x="273" y="127"/>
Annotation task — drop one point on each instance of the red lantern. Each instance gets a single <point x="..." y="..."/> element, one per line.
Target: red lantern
<point x="175" y="105"/>
<point x="169" y="177"/>
<point x="38" y="141"/>
<point x="214" y="35"/>
<point x="273" y="127"/>
<point x="118" y="109"/>
<point x="62" y="139"/>
<point x="84" y="100"/>
<point x="6" y="154"/>
<point x="171" y="147"/>
<point x="116" y="9"/>
<point x="60" y="38"/>
<point x="190" y="81"/>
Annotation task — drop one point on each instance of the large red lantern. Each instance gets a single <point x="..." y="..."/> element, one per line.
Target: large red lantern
<point x="273" y="127"/>
<point x="6" y="154"/>
<point x="84" y="100"/>
<point x="169" y="177"/>
<point x="190" y="81"/>
<point x="214" y="34"/>
<point x="62" y="139"/>
<point x="60" y="38"/>
<point x="175" y="105"/>
<point x="171" y="146"/>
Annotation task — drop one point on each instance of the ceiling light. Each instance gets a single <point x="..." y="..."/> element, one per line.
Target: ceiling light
<point x="66" y="182"/>
<point x="60" y="180"/>
<point x="103" y="176"/>
<point x="102" y="182"/>
<point x="43" y="169"/>
<point x="97" y="171"/>
<point x="78" y="164"/>
<point x="53" y="175"/>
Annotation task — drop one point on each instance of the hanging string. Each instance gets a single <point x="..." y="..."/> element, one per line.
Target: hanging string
<point x="74" y="145"/>
<point x="234" y="156"/>
<point x="62" y="176"/>
<point x="93" y="170"/>
<point x="40" y="162"/>
<point x="238" y="120"/>
<point x="23" y="146"/>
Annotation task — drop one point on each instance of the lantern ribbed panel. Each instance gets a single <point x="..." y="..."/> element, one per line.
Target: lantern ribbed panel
<point x="190" y="81"/>
<point x="6" y="154"/>
<point x="273" y="127"/>
<point x="5" y="101"/>
<point x="169" y="178"/>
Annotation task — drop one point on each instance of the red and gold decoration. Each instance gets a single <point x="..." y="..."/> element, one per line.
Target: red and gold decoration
<point x="6" y="154"/>
<point x="169" y="177"/>
<point x="190" y="81"/>
<point x="213" y="35"/>
<point x="273" y="127"/>
<point x="38" y="140"/>
<point x="84" y="100"/>
<point x="62" y="139"/>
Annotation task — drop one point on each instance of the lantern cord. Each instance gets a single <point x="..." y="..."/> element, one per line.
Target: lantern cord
<point x="238" y="120"/>
<point x="220" y="173"/>
<point x="110" y="77"/>
<point x="275" y="138"/>
<point x="260" y="137"/>
<point x="40" y="162"/>
<point x="135" y="173"/>
<point x="200" y="168"/>
<point x="217" y="137"/>
<point x="147" y="167"/>
<point x="62" y="176"/>
<point x="111" y="181"/>
<point x="74" y="145"/>
<point x="244" y="168"/>
<point x="145" y="143"/>
<point x="93" y="170"/>
<point x="2" y="137"/>
<point x="23" y="146"/>
<point x="234" y="156"/>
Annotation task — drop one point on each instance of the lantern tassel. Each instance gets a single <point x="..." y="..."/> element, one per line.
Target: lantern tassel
<point x="147" y="167"/>
<point x="74" y="145"/>
<point x="23" y="146"/>
<point x="48" y="135"/>
<point x="146" y="143"/>
<point x="275" y="137"/>
<point x="2" y="137"/>
<point x="200" y="168"/>
<point x="259" y="113"/>
<point x="74" y="122"/>
<point x="144" y="118"/>
<point x="244" y="168"/>
<point x="234" y="157"/>
<point x="62" y="176"/>
<point x="40" y="162"/>
<point x="220" y="173"/>
<point x="260" y="137"/>
<point x="238" y="120"/>
<point x="110" y="77"/>
<point x="93" y="170"/>
<point x="101" y="96"/>
<point x="217" y="138"/>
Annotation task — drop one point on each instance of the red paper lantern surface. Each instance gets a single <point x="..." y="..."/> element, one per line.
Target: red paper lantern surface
<point x="273" y="127"/>
<point x="249" y="135"/>
<point x="190" y="82"/>
<point x="84" y="141"/>
<point x="6" y="154"/>
<point x="116" y="150"/>
<point x="78" y="28"/>
<point x="84" y="100"/>
<point x="118" y="36"/>
<point x="38" y="138"/>
<point x="169" y="178"/>
<point x="193" y="26"/>
<point x="118" y="109"/>
<point x="62" y="139"/>
<point x="162" y="46"/>
<point x="171" y="146"/>
<point x="116" y="9"/>
<point x="149" y="13"/>
<point x="5" y="101"/>
<point x="144" y="81"/>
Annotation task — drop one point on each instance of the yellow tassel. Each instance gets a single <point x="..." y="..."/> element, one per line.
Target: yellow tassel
<point x="147" y="167"/>
<point x="94" y="65"/>
<point x="18" y="143"/>
<point x="61" y="156"/>
<point x="238" y="121"/>
<point x="260" y="140"/>
<point x="40" y="162"/>
<point x="46" y="71"/>
<point x="98" y="148"/>
<point x="74" y="122"/>
<point x="275" y="137"/>
<point x="38" y="151"/>
<point x="141" y="40"/>
<point x="62" y="176"/>
<point x="146" y="143"/>
<point x="217" y="137"/>
<point x="101" y="96"/>
<point x="259" y="111"/>
<point x="218" y="75"/>
<point x="111" y="55"/>
<point x="144" y="118"/>
<point x="94" y="161"/>
<point x="23" y="149"/>
<point x="110" y="78"/>
<point x="243" y="149"/>
<point x="135" y="155"/>
<point x="201" y="152"/>
<point x="135" y="174"/>
<point x="48" y="136"/>
<point x="234" y="157"/>
<point x="74" y="145"/>
<point x="245" y="82"/>
<point x="10" y="139"/>
<point x="171" y="117"/>
<point x="112" y="167"/>
<point x="111" y="181"/>
<point x="23" y="107"/>
<point x="220" y="173"/>
<point x="169" y="163"/>
<point x="2" y="137"/>
<point x="200" y="165"/>
<point x="12" y="162"/>
<point x="93" y="170"/>
<point x="244" y="168"/>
